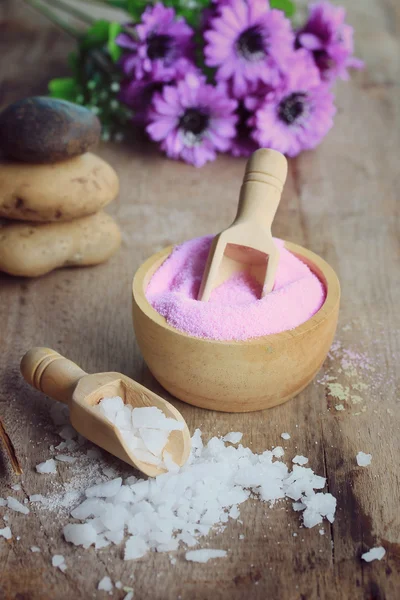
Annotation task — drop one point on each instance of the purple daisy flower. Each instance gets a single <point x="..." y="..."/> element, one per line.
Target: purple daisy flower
<point x="330" y="40"/>
<point x="138" y="94"/>
<point x="298" y="115"/>
<point x="157" y="43"/>
<point x="248" y="42"/>
<point x="192" y="120"/>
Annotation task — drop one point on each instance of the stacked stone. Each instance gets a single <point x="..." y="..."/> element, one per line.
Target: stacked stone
<point x="52" y="189"/>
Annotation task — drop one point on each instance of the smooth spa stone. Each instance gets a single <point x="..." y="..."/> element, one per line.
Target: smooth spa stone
<point x="59" y="192"/>
<point x="47" y="130"/>
<point x="34" y="249"/>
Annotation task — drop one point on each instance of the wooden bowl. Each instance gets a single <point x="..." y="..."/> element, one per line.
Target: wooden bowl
<point x="235" y="376"/>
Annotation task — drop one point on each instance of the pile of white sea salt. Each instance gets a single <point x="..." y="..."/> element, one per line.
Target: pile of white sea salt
<point x="180" y="507"/>
<point x="145" y="430"/>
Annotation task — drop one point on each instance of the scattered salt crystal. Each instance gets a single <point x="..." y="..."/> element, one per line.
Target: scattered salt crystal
<point x="363" y="460"/>
<point x="241" y="536"/>
<point x="17" y="506"/>
<point x="374" y="554"/>
<point x="285" y="436"/>
<point x="68" y="433"/>
<point x="49" y="466"/>
<point x="35" y="549"/>
<point x="233" y="437"/>
<point x="300" y="460"/>
<point x="203" y="556"/>
<point x="339" y="407"/>
<point x="36" y="498"/>
<point x="118" y="585"/>
<point x="104" y="490"/>
<point x="65" y="458"/>
<point x="59" y="561"/>
<point x="318" y="506"/>
<point x="3" y="502"/>
<point x="278" y="452"/>
<point x="80" y="534"/>
<point x="105" y="584"/>
<point x="321" y="531"/>
<point x="6" y="533"/>
<point x="135" y="547"/>
<point x="16" y="487"/>
<point x="129" y="596"/>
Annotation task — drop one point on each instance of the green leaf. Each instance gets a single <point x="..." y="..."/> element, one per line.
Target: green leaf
<point x="65" y="88"/>
<point x="122" y="4"/>
<point x="114" y="50"/>
<point x="96" y="35"/>
<point x="287" y="6"/>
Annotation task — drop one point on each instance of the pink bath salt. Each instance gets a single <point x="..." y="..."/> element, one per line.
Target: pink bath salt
<point x="235" y="310"/>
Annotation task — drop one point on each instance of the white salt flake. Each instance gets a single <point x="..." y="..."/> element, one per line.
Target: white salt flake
<point x="105" y="490"/>
<point x="58" y="561"/>
<point x="285" y="436"/>
<point x="80" y="534"/>
<point x="363" y="460"/>
<point x="233" y="437"/>
<point x="321" y="531"/>
<point x="118" y="585"/>
<point x="65" y="458"/>
<point x="6" y="533"/>
<point x="154" y="440"/>
<point x="105" y="584"/>
<point x="135" y="547"/>
<point x="374" y="554"/>
<point x="339" y="407"/>
<point x="35" y="549"/>
<point x="49" y="466"/>
<point x="3" y="502"/>
<point x="37" y="498"/>
<point x="318" y="506"/>
<point x="204" y="555"/>
<point x="153" y="418"/>
<point x="14" y="504"/>
<point x="16" y="487"/>
<point x="278" y="452"/>
<point x="300" y="460"/>
<point x="169" y="462"/>
<point x="128" y="596"/>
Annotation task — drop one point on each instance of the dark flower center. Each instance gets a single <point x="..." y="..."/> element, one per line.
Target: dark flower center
<point x="158" y="46"/>
<point x="322" y="59"/>
<point x="194" y="123"/>
<point x="251" y="44"/>
<point x="292" y="107"/>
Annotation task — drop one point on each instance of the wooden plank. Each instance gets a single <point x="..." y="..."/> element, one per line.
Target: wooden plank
<point x="341" y="202"/>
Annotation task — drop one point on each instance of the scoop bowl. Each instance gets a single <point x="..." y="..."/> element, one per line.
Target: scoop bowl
<point x="235" y="376"/>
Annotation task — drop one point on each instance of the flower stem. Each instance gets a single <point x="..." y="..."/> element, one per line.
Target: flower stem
<point x="54" y="18"/>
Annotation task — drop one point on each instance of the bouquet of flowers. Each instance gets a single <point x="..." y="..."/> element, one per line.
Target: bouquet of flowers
<point x="208" y="76"/>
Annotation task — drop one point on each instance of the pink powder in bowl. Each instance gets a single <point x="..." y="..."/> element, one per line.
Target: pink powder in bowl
<point x="235" y="310"/>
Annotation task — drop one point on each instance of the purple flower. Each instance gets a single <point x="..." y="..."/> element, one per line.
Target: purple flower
<point x="330" y="40"/>
<point x="192" y="120"/>
<point x="138" y="94"/>
<point x="156" y="44"/>
<point x="248" y="42"/>
<point x="298" y="115"/>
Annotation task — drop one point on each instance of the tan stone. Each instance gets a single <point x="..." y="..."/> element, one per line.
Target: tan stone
<point x="33" y="249"/>
<point x="61" y="191"/>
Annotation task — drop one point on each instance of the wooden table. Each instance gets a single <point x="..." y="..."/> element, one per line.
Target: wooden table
<point x="340" y="201"/>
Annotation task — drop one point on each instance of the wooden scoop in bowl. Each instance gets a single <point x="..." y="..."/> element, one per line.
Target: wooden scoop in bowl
<point x="63" y="380"/>
<point x="247" y="245"/>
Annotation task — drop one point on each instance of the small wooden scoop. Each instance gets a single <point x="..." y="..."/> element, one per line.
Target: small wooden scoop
<point x="247" y="244"/>
<point x="63" y="380"/>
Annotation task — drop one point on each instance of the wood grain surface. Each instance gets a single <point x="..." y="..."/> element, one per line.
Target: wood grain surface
<point x="342" y="202"/>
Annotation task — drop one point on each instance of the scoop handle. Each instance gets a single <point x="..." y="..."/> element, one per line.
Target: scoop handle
<point x="49" y="372"/>
<point x="262" y="186"/>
